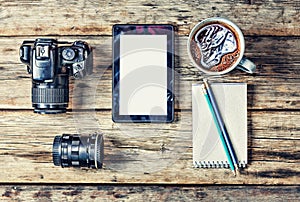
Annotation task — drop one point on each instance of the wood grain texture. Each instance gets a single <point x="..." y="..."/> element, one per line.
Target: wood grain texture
<point x="92" y="17"/>
<point x="151" y="162"/>
<point x="149" y="193"/>
<point x="26" y="145"/>
<point x="274" y="86"/>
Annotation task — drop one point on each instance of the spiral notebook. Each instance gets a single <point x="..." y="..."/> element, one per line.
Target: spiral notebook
<point x="231" y="99"/>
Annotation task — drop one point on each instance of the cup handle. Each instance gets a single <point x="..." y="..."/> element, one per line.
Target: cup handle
<point x="246" y="66"/>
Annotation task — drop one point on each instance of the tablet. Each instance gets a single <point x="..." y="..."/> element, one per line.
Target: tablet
<point x="143" y="73"/>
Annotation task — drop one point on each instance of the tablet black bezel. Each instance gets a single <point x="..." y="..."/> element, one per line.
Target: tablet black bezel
<point x="161" y="29"/>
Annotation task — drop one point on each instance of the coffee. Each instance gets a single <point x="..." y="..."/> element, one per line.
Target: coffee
<point x="215" y="46"/>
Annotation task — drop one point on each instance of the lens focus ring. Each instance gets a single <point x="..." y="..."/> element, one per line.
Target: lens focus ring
<point x="50" y="95"/>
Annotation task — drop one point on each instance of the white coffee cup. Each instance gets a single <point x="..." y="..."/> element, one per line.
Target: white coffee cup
<point x="216" y="46"/>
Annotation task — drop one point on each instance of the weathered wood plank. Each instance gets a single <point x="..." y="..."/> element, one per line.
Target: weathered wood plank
<point x="16" y="94"/>
<point x="262" y="50"/>
<point x="96" y="18"/>
<point x="149" y="193"/>
<point x="274" y="86"/>
<point x="26" y="145"/>
<point x="150" y="161"/>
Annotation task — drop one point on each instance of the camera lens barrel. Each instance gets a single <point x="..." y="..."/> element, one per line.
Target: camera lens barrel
<point x="50" y="100"/>
<point x="52" y="97"/>
<point x="78" y="151"/>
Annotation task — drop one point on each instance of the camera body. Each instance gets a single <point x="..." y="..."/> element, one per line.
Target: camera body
<point x="50" y="63"/>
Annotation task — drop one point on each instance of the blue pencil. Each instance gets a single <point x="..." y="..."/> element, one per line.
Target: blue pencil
<point x="221" y="124"/>
<point x="221" y="130"/>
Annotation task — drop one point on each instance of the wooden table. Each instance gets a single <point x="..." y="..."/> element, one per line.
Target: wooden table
<point x="272" y="33"/>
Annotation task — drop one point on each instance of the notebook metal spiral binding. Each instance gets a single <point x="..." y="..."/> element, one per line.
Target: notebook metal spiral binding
<point x="216" y="164"/>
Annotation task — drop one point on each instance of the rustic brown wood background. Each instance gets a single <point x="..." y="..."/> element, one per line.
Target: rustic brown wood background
<point x="272" y="33"/>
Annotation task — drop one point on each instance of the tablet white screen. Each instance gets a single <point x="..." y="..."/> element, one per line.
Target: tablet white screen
<point x="143" y="75"/>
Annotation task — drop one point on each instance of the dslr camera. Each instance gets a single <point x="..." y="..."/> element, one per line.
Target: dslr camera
<point x="50" y="63"/>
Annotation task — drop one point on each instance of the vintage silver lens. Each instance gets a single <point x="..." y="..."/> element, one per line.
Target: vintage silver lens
<point x="78" y="151"/>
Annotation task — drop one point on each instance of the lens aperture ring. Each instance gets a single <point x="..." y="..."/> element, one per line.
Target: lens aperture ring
<point x="64" y="150"/>
<point x="75" y="151"/>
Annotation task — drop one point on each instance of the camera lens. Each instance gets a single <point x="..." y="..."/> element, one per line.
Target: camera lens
<point x="68" y="54"/>
<point x="78" y="151"/>
<point x="51" y="98"/>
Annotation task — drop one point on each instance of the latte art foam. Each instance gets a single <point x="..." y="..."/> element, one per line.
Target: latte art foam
<point x="217" y="46"/>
